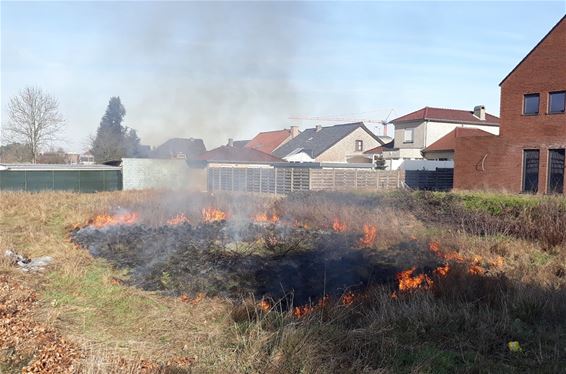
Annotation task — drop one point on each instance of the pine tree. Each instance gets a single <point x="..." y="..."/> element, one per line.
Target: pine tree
<point x="114" y="141"/>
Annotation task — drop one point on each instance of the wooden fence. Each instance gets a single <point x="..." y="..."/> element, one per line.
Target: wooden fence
<point x="283" y="180"/>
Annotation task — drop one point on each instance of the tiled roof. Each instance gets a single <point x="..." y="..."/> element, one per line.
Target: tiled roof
<point x="171" y="148"/>
<point x="268" y="141"/>
<point x="448" y="141"/>
<point x="315" y="142"/>
<point x="240" y="143"/>
<point x="235" y="154"/>
<point x="447" y="115"/>
<point x="379" y="149"/>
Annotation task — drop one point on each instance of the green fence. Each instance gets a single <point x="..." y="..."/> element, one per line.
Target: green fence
<point x="61" y="180"/>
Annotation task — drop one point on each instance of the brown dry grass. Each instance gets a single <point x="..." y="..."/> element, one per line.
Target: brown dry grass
<point x="121" y="329"/>
<point x="79" y="298"/>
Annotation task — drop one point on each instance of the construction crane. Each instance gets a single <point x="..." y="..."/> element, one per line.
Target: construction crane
<point x="382" y="122"/>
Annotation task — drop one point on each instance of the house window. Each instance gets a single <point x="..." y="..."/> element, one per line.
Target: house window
<point x="530" y="170"/>
<point x="408" y="136"/>
<point x="556" y="170"/>
<point x="359" y="145"/>
<point x="557" y="102"/>
<point x="531" y="104"/>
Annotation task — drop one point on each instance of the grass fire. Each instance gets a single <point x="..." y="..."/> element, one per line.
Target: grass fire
<point x="154" y="282"/>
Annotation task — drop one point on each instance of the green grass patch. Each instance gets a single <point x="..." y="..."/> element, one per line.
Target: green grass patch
<point x="98" y="302"/>
<point x="540" y="258"/>
<point x="498" y="204"/>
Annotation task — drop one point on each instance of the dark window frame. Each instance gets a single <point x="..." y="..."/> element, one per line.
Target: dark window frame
<point x="550" y="111"/>
<point x="531" y="95"/>
<point x="524" y="181"/>
<point x="359" y="145"/>
<point x="552" y="186"/>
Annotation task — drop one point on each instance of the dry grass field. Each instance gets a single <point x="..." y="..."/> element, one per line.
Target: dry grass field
<point x="493" y="299"/>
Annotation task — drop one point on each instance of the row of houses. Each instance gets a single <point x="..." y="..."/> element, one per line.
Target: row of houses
<point x="427" y="133"/>
<point x="522" y="151"/>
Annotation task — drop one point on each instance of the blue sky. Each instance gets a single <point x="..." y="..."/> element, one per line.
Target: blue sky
<point x="219" y="70"/>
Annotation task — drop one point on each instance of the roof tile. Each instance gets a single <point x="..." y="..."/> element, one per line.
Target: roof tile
<point x="314" y="142"/>
<point x="268" y="141"/>
<point x="236" y="154"/>
<point x="446" y="115"/>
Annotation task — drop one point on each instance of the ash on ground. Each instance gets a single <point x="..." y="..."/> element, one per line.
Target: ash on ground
<point x="219" y="259"/>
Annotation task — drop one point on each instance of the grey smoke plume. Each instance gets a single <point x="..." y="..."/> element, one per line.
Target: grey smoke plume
<point x="231" y="71"/>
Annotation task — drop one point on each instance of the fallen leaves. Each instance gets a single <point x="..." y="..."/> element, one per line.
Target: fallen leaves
<point x="25" y="342"/>
<point x="38" y="348"/>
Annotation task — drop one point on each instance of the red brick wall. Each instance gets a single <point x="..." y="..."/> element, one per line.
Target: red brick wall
<point x="543" y="71"/>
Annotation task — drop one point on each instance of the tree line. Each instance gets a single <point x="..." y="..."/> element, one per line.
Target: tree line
<point x="35" y="122"/>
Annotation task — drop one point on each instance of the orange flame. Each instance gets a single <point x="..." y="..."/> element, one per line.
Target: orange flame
<point x="301" y="225"/>
<point x="476" y="269"/>
<point x="263" y="217"/>
<point x="264" y="305"/>
<point x="192" y="300"/>
<point x="301" y="311"/>
<point x="441" y="271"/>
<point x="212" y="214"/>
<point x="370" y="234"/>
<point x="104" y="220"/>
<point x="338" y="226"/>
<point x="434" y="247"/>
<point x="178" y="219"/>
<point x="497" y="262"/>
<point x="409" y="282"/>
<point x="304" y="310"/>
<point x="348" y="298"/>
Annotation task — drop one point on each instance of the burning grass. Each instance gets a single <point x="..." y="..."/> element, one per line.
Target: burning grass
<point x="105" y="220"/>
<point x="459" y="298"/>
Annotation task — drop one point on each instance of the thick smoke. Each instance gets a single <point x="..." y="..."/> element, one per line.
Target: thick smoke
<point x="219" y="69"/>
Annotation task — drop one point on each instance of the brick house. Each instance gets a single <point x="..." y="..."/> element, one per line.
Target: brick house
<point x="420" y="129"/>
<point x="443" y="148"/>
<point x="528" y="155"/>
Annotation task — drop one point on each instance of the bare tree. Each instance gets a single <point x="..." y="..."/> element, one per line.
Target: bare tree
<point x="33" y="119"/>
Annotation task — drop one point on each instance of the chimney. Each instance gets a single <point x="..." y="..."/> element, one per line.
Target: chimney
<point x="230" y="142"/>
<point x="318" y="128"/>
<point x="294" y="131"/>
<point x="479" y="111"/>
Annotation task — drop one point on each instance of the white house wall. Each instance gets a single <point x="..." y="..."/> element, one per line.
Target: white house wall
<point x="410" y="153"/>
<point x="299" y="157"/>
<point x="144" y="173"/>
<point x="436" y="130"/>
